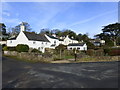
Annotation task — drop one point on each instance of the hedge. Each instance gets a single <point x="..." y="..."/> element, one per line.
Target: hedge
<point x="22" y="48"/>
<point x="112" y="51"/>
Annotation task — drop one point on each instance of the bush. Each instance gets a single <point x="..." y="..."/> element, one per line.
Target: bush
<point x="47" y="55"/>
<point x="90" y="52"/>
<point x="5" y="48"/>
<point x="22" y="48"/>
<point x="3" y="45"/>
<point x="61" y="48"/>
<point x="36" y="51"/>
<point x="114" y="52"/>
<point x="90" y="45"/>
<point x="11" y="48"/>
<point x="107" y="50"/>
<point x="99" y="52"/>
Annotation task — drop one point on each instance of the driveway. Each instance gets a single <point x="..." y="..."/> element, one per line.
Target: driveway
<point x="18" y="74"/>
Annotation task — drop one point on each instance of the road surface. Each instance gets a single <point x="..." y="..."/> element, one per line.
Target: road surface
<point x="18" y="74"/>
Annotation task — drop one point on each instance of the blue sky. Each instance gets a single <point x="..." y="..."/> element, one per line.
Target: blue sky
<point x="81" y="17"/>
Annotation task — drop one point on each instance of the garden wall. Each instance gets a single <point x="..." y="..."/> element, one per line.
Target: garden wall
<point x="27" y="56"/>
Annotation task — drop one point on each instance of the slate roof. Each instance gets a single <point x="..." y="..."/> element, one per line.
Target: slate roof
<point x="36" y="37"/>
<point x="12" y="38"/>
<point x="61" y="40"/>
<point x="76" y="44"/>
<point x="52" y="37"/>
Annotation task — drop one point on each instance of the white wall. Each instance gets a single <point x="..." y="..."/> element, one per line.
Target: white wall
<point x="3" y="42"/>
<point x="84" y="47"/>
<point x="67" y="41"/>
<point x="22" y="39"/>
<point x="52" y="41"/>
<point x="61" y="42"/>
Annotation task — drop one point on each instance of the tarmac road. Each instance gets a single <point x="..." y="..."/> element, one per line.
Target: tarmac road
<point x="18" y="74"/>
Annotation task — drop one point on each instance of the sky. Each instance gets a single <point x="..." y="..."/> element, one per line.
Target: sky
<point x="80" y="17"/>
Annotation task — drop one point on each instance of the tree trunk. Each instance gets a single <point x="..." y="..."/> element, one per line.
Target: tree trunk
<point x="114" y="42"/>
<point x="60" y="54"/>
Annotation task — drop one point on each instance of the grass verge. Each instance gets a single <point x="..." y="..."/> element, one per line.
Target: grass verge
<point x="26" y="60"/>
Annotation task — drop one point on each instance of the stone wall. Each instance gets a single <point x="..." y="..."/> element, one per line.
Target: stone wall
<point x="26" y="55"/>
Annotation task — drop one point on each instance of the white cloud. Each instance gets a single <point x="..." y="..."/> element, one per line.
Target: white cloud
<point x="50" y="12"/>
<point x="92" y="18"/>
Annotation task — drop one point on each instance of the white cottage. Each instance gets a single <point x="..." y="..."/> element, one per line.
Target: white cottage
<point x="54" y="42"/>
<point x="68" y="40"/>
<point x="77" y="46"/>
<point x="31" y="39"/>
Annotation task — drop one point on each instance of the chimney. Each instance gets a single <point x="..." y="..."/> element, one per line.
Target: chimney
<point x="22" y="27"/>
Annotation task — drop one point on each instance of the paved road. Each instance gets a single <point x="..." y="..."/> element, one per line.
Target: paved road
<point x="18" y="74"/>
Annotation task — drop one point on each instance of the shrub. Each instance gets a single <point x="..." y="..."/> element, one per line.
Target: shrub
<point x="90" y="45"/>
<point x="36" y="51"/>
<point x="22" y="48"/>
<point x="114" y="52"/>
<point x="5" y="48"/>
<point x="3" y="45"/>
<point x="107" y="50"/>
<point x="90" y="52"/>
<point x="11" y="48"/>
<point x="61" y="48"/>
<point x="99" y="52"/>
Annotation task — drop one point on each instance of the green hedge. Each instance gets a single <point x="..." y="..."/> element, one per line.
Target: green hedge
<point x="5" y="48"/>
<point x="22" y="48"/>
<point x="112" y="51"/>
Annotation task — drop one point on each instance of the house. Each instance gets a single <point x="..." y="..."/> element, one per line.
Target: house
<point x="54" y="42"/>
<point x="31" y="39"/>
<point x="68" y="40"/>
<point x="97" y="42"/>
<point x="77" y="46"/>
<point x="42" y="41"/>
<point x="3" y="42"/>
<point x="61" y="41"/>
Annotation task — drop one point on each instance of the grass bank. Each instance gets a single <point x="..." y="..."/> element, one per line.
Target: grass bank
<point x="27" y="60"/>
<point x="68" y="59"/>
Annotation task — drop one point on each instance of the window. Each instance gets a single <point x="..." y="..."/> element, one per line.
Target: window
<point x="54" y="41"/>
<point x="46" y="43"/>
<point x="71" y="48"/>
<point x="10" y="41"/>
<point x="42" y="42"/>
<point x="33" y="42"/>
<point x="78" y="48"/>
<point x="41" y="47"/>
